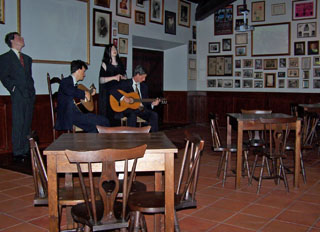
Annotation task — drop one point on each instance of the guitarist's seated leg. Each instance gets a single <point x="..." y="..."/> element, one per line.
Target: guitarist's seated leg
<point x="150" y="116"/>
<point x="89" y="121"/>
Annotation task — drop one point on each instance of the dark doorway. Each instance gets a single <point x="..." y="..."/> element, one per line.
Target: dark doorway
<point x="152" y="62"/>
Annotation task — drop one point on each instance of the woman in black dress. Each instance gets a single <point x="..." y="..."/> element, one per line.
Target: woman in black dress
<point x="111" y="72"/>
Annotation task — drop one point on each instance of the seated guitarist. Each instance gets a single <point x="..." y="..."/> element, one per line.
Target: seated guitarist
<point x="68" y="113"/>
<point x="133" y="85"/>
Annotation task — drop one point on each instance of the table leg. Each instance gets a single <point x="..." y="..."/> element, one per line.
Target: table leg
<point x="53" y="193"/>
<point x="239" y="154"/>
<point x="229" y="131"/>
<point x="157" y="187"/>
<point x="297" y="154"/>
<point x="169" y="192"/>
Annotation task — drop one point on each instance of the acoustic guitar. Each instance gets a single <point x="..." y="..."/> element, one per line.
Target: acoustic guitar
<point x="122" y="105"/>
<point x="85" y="105"/>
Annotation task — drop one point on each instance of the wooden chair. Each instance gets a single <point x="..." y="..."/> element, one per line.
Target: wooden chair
<point x="226" y="151"/>
<point x="123" y="129"/>
<point x="140" y="121"/>
<point x="154" y="202"/>
<point x="276" y="132"/>
<point x="95" y="214"/>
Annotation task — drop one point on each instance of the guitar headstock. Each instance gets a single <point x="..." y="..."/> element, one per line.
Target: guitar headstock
<point x="163" y="101"/>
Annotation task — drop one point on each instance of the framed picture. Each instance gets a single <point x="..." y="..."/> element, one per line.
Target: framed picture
<point x="304" y="9"/>
<point x="237" y="83"/>
<point x="192" y="63"/>
<point x="170" y="22"/>
<point x="124" y="8"/>
<point x="223" y="21"/>
<point x="194" y="32"/>
<point x="214" y="47"/>
<point x="258" y="75"/>
<point x="247" y="83"/>
<point x="258" y="84"/>
<point x="278" y="9"/>
<point x="313" y="47"/>
<point x="184" y="9"/>
<point x="269" y="80"/>
<point x="237" y="73"/>
<point x="238" y="63"/>
<point x="293" y="83"/>
<point x="226" y="44"/>
<point x="140" y="17"/>
<point x="124" y="61"/>
<point x="228" y="83"/>
<point x="299" y="48"/>
<point x="282" y="62"/>
<point x="194" y="47"/>
<point x="248" y="63"/>
<point x="241" y="38"/>
<point x="316" y="84"/>
<point x="258" y="63"/>
<point x="2" y="11"/>
<point x="190" y="47"/>
<point x="281" y="83"/>
<point x="140" y="3"/>
<point x="115" y="42"/>
<point x="257" y="11"/>
<point x="192" y="72"/>
<point x="293" y="62"/>
<point x="293" y="72"/>
<point x="306" y="30"/>
<point x="270" y="64"/>
<point x="104" y="3"/>
<point x="219" y="65"/>
<point x="316" y="72"/>
<point x="316" y="61"/>
<point x="114" y="32"/>
<point x="305" y="63"/>
<point x="241" y="51"/>
<point x="212" y="83"/>
<point x="220" y="82"/>
<point x="101" y="27"/>
<point x="247" y="73"/>
<point x="306" y="75"/>
<point x="239" y="10"/>
<point x="156" y="9"/>
<point x="123" y="28"/>
<point x="123" y="46"/>
<point x="281" y="74"/>
<point x="305" y="84"/>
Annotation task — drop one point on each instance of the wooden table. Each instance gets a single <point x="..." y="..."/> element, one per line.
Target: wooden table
<point x="159" y="157"/>
<point x="310" y="107"/>
<point x="251" y="122"/>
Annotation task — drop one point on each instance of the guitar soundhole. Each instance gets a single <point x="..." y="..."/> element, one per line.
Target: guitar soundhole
<point x="109" y="186"/>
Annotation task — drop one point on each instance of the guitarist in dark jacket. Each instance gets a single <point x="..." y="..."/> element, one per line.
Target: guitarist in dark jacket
<point x="68" y="113"/>
<point x="136" y="84"/>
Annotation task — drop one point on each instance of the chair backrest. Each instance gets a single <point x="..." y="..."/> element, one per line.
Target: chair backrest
<point x="108" y="183"/>
<point x="215" y="133"/>
<point x="52" y="96"/>
<point x="189" y="171"/>
<point x="123" y="129"/>
<point x="39" y="174"/>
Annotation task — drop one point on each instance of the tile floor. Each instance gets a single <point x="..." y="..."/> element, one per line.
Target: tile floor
<point x="219" y="209"/>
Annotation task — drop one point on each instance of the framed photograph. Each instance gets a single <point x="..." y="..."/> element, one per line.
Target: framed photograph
<point x="212" y="83"/>
<point x="192" y="63"/>
<point x="184" y="9"/>
<point x="226" y="44"/>
<point x="281" y="83"/>
<point x="139" y="17"/>
<point x="241" y="51"/>
<point x="241" y="38"/>
<point x="238" y="63"/>
<point x="316" y="72"/>
<point x="237" y="83"/>
<point x="124" y="61"/>
<point x="123" y="46"/>
<point x="170" y="23"/>
<point x="299" y="48"/>
<point x="190" y="47"/>
<point x="293" y="72"/>
<point x="115" y="42"/>
<point x="220" y="83"/>
<point x="156" y="9"/>
<point x="258" y="75"/>
<point x="278" y="9"/>
<point x="2" y="11"/>
<point x="114" y="32"/>
<point x="306" y="63"/>
<point x="306" y="30"/>
<point x="214" y="47"/>
<point x="223" y="21"/>
<point x="269" y="80"/>
<point x="316" y="84"/>
<point x="316" y="61"/>
<point x="306" y="75"/>
<point x="239" y="10"/>
<point x="104" y="3"/>
<point x="304" y="9"/>
<point x="247" y="73"/>
<point x="293" y="62"/>
<point x="248" y="63"/>
<point x="293" y="83"/>
<point x="258" y="11"/>
<point x="247" y="83"/>
<point x="124" y="8"/>
<point x="228" y="83"/>
<point x="281" y="74"/>
<point x="313" y="47"/>
<point x="101" y="27"/>
<point x="270" y="64"/>
<point x="237" y="73"/>
<point x="305" y="84"/>
<point x="123" y="28"/>
<point x="282" y="62"/>
<point x="219" y="65"/>
<point x="258" y="84"/>
<point x="140" y="3"/>
<point x="194" y="32"/>
<point x="194" y="47"/>
<point x="258" y="63"/>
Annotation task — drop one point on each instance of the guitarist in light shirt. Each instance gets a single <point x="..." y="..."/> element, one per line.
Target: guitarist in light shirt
<point x="68" y="113"/>
<point x="136" y="84"/>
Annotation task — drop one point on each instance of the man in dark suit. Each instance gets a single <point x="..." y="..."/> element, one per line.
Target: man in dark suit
<point x="16" y="76"/>
<point x="68" y="113"/>
<point x="145" y="112"/>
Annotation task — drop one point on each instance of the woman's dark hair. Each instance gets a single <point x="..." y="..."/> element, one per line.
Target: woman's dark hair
<point x="107" y="56"/>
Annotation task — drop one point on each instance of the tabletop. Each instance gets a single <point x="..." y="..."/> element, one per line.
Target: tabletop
<point x="249" y="117"/>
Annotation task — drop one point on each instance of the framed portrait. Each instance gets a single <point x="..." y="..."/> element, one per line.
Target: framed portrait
<point x="114" y="32"/>
<point x="304" y="9"/>
<point x="223" y="21"/>
<point x="247" y="83"/>
<point x="170" y="22"/>
<point x="140" y="3"/>
<point x="282" y="62"/>
<point x="237" y="73"/>
<point x="214" y="47"/>
<point x="104" y="3"/>
<point x="316" y="61"/>
<point x="293" y="72"/>
<point x="212" y="83"/>
<point x="316" y="72"/>
<point x="306" y="30"/>
<point x="305" y="84"/>
<point x="281" y="83"/>
<point x="140" y="17"/>
<point x="239" y="10"/>
<point x="237" y="83"/>
<point x="124" y="8"/>
<point x="123" y="46"/>
<point x="220" y="83"/>
<point x="124" y="61"/>
<point x="115" y="42"/>
<point x="305" y="63"/>
<point x="156" y="9"/>
<point x="299" y="48"/>
<point x="281" y="74"/>
<point x="278" y="9"/>
<point x="123" y="28"/>
<point x="316" y="84"/>
<point x="228" y="83"/>
<point x="313" y="47"/>
<point x="192" y="64"/>
<point x="248" y="63"/>
<point x="226" y="44"/>
<point x="258" y="63"/>
<point x="238" y="63"/>
<point x="293" y="83"/>
<point x="101" y="27"/>
<point x="306" y="74"/>
<point x="194" y="47"/>
<point x="241" y="51"/>
<point x="2" y="11"/>
<point x="220" y="65"/>
<point x="293" y="62"/>
<point x="190" y="47"/>
<point x="247" y="73"/>
<point x="269" y="80"/>
<point x="270" y="64"/>
<point x="258" y="84"/>
<point x="241" y="38"/>
<point x="194" y="32"/>
<point x="184" y="9"/>
<point x="258" y="11"/>
<point x="258" y="75"/>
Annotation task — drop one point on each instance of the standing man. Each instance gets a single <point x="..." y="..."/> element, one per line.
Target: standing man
<point x="68" y="113"/>
<point x="136" y="84"/>
<point x="16" y="76"/>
